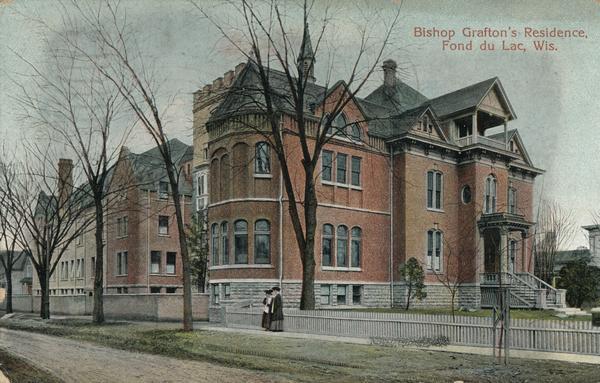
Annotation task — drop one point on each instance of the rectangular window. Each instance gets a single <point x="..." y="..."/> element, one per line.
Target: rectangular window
<point x="163" y="190"/>
<point x="216" y="293"/>
<point x="214" y="246"/>
<point x="227" y="290"/>
<point x="356" y="295"/>
<point x="171" y="290"/>
<point x="154" y="290"/>
<point x="72" y="275"/>
<point x="341" y="295"/>
<point x="155" y="262"/>
<point x="163" y="225"/>
<point x="325" y="294"/>
<point x="327" y="163"/>
<point x="122" y="227"/>
<point x="201" y="184"/>
<point x="326" y="251"/>
<point x="438" y="190"/>
<point x="171" y="259"/>
<point x="122" y="263"/>
<point x="355" y="171"/>
<point x="340" y="161"/>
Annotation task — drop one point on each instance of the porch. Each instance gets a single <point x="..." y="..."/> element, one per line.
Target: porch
<point x="503" y="251"/>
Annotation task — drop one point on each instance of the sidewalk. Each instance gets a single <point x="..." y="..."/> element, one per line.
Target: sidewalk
<point x="522" y="354"/>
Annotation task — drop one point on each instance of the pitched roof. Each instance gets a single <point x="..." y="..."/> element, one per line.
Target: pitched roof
<point x="397" y="98"/>
<point x="462" y="99"/>
<point x="149" y="168"/>
<point x="394" y="125"/>
<point x="246" y="96"/>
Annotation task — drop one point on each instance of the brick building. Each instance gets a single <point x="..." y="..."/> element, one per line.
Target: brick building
<point x="440" y="179"/>
<point x="141" y="252"/>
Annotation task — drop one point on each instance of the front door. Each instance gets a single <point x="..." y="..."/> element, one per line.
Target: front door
<point x="491" y="240"/>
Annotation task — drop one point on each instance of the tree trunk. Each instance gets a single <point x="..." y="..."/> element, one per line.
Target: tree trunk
<point x="45" y="301"/>
<point x="307" y="299"/>
<point x="408" y="297"/>
<point x="98" y="311"/>
<point x="185" y="260"/>
<point x="452" y="297"/>
<point x="9" y="290"/>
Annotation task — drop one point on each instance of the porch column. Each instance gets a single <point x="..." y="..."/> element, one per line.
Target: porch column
<point x="505" y="135"/>
<point x="504" y="250"/>
<point x="474" y="127"/>
<point x="523" y="252"/>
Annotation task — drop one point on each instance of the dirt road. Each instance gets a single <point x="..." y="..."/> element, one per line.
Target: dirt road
<point x="74" y="361"/>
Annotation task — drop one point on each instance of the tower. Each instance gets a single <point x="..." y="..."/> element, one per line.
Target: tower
<point x="306" y="58"/>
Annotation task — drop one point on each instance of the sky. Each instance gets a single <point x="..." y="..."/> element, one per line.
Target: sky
<point x="554" y="93"/>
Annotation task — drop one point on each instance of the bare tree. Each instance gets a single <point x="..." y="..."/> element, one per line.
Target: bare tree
<point x="268" y="41"/>
<point x="117" y="57"/>
<point x="51" y="212"/>
<point x="555" y="229"/>
<point x="9" y="221"/>
<point x="459" y="264"/>
<point x="77" y="106"/>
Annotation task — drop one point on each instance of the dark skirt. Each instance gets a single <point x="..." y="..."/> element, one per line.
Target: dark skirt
<point x="277" y="325"/>
<point x="266" y="320"/>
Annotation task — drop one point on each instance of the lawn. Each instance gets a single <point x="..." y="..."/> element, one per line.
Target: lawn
<point x="305" y="360"/>
<point x="18" y="370"/>
<point x="515" y="313"/>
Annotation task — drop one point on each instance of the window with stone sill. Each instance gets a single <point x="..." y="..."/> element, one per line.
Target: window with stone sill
<point x="489" y="199"/>
<point x="341" y="294"/>
<point x="155" y="262"/>
<point x="434" y="250"/>
<point x="325" y="294"/>
<point x="163" y="225"/>
<point x="163" y="190"/>
<point x="434" y="190"/>
<point x="171" y="262"/>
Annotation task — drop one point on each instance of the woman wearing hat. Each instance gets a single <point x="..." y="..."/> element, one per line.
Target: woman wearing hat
<point x="277" y="311"/>
<point x="266" y="317"/>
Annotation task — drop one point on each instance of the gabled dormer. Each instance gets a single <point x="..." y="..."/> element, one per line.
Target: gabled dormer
<point x="468" y="113"/>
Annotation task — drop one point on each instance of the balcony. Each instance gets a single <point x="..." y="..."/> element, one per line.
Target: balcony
<point x="481" y="140"/>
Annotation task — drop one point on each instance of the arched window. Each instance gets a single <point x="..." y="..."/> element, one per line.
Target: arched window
<point x="224" y="244"/>
<point x="354" y="132"/>
<point x="214" y="244"/>
<point x="434" y="190"/>
<point x="327" y="247"/>
<point x="240" y="235"/>
<point x="262" y="242"/>
<point x="342" y="246"/>
<point x="337" y="125"/>
<point x="489" y="202"/>
<point x="355" y="248"/>
<point x="225" y="177"/>
<point x="262" y="158"/>
<point x="434" y="250"/>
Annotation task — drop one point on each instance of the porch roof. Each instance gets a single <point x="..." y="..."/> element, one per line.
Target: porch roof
<point x="503" y="220"/>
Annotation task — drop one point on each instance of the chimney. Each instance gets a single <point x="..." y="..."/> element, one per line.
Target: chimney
<point x="65" y="180"/>
<point x="389" y="72"/>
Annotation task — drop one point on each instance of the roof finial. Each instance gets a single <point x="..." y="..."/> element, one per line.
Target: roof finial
<point x="306" y="58"/>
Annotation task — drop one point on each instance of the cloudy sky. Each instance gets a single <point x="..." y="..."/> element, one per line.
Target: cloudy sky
<point x="554" y="93"/>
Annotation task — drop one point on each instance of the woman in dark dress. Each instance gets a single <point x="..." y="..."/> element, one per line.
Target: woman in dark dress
<point x="277" y="311"/>
<point x="267" y="303"/>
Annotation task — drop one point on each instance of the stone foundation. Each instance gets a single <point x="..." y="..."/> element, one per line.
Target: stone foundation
<point x="438" y="295"/>
<point x="252" y="293"/>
